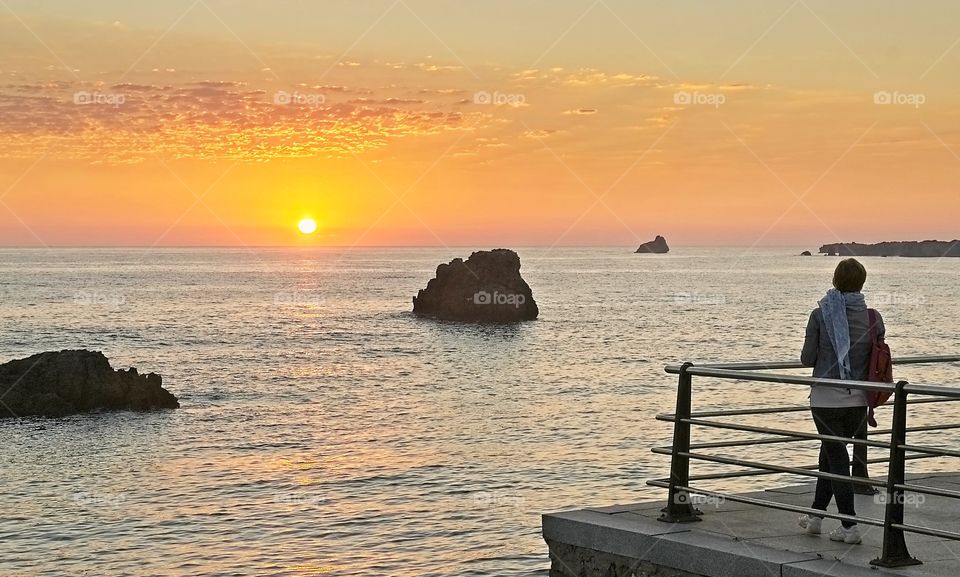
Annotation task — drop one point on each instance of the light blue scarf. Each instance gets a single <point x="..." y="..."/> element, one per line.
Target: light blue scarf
<point x="833" y="307"/>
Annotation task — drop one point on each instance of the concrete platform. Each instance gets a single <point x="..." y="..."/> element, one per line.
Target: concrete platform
<point x="738" y="540"/>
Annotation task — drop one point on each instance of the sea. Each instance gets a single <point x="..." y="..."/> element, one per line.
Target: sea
<point x="326" y="430"/>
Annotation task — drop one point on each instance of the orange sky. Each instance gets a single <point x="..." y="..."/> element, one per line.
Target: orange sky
<point x="437" y="123"/>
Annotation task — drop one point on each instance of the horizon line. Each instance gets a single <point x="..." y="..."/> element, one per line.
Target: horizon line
<point x="366" y="246"/>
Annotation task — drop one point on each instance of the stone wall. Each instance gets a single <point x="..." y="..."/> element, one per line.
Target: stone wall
<point x="571" y="561"/>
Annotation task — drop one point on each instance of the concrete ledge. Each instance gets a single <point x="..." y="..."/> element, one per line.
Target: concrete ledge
<point x="662" y="545"/>
<point x="737" y="540"/>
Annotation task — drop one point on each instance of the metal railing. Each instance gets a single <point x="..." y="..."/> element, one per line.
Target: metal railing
<point x="681" y="509"/>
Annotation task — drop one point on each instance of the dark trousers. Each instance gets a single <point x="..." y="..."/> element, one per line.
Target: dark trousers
<point x="860" y="455"/>
<point x="839" y="422"/>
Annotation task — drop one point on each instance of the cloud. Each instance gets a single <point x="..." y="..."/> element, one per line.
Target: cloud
<point x="540" y="134"/>
<point x="128" y="122"/>
<point x="584" y="78"/>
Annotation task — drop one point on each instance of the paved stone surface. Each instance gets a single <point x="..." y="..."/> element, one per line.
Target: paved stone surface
<point x="739" y="540"/>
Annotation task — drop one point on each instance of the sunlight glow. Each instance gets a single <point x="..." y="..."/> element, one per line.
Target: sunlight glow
<point x="307" y="226"/>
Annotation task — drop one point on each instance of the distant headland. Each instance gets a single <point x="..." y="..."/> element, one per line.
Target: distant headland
<point x="910" y="248"/>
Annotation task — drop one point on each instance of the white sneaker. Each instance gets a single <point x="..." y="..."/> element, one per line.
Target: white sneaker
<point x="849" y="536"/>
<point x="811" y="524"/>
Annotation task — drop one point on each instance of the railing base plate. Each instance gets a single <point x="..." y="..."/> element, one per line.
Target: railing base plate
<point x="896" y="562"/>
<point x="685" y="518"/>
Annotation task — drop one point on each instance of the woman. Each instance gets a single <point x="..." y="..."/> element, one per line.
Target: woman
<point x="838" y="346"/>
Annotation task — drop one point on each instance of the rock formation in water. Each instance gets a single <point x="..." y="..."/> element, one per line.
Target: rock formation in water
<point x="56" y="384"/>
<point x="655" y="246"/>
<point x="806" y="253"/>
<point x="926" y="248"/>
<point x="486" y="288"/>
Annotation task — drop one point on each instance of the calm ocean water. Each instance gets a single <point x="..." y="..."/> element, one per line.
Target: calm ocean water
<point x="324" y="430"/>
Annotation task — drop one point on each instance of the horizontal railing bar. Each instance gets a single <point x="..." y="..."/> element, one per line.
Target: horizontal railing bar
<point x="772" y="504"/>
<point x="926" y="531"/>
<point x="929" y="490"/>
<point x="808" y="510"/>
<point x="735" y="474"/>
<point x="789" y="379"/>
<point x="936" y="390"/>
<point x="745" y="442"/>
<point x="920" y="389"/>
<point x="782" y="469"/>
<point x="785" y="409"/>
<point x="758" y="411"/>
<point x="752" y="366"/>
<point x="778" y="365"/>
<point x="919" y="429"/>
<point x="785" y="433"/>
<point x="931" y="450"/>
<point x="798" y="436"/>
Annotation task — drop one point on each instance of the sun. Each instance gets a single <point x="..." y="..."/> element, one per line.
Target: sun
<point x="307" y="226"/>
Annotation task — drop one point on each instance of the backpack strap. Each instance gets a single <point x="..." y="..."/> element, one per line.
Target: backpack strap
<point x="872" y="319"/>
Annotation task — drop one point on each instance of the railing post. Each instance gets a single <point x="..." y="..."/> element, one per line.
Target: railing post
<point x="679" y="509"/>
<point x="895" y="552"/>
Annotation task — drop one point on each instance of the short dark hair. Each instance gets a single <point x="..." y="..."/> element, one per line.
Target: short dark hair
<point x="849" y="276"/>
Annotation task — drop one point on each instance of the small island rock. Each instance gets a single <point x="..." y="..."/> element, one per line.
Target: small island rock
<point x="486" y="288"/>
<point x="655" y="246"/>
<point x="806" y="253"/>
<point x="56" y="384"/>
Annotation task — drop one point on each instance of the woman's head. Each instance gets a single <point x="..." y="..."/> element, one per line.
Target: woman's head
<point x="849" y="276"/>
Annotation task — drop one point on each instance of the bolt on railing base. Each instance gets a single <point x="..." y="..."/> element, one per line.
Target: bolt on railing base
<point x="680" y="510"/>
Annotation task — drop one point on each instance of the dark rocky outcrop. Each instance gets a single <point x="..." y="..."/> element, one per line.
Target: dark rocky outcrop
<point x="56" y="384"/>
<point x="655" y="246"/>
<point x="926" y="248"/>
<point x="806" y="253"/>
<point x="486" y="288"/>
